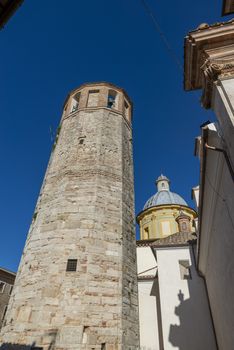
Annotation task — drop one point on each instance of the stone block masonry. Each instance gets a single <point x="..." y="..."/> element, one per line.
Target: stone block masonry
<point x="85" y="213"/>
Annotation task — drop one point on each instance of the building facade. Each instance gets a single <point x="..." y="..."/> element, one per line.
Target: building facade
<point x="209" y="65"/>
<point x="76" y="287"/>
<point x="7" y="279"/>
<point x="173" y="305"/>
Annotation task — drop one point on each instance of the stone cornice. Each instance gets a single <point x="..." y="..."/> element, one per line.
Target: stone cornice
<point x="7" y="271"/>
<point x="209" y="54"/>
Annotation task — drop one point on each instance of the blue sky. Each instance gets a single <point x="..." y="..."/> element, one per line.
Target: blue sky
<point x="46" y="51"/>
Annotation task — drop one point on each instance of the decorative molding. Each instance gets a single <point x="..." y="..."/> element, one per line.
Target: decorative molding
<point x="212" y="70"/>
<point x="208" y="53"/>
<point x="146" y="278"/>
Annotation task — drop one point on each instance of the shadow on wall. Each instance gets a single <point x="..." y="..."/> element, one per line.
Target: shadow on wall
<point x="11" y="346"/>
<point x="195" y="326"/>
<point x="33" y="346"/>
<point x="182" y="335"/>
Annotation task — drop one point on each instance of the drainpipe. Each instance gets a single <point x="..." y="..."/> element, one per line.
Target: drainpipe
<point x="217" y="149"/>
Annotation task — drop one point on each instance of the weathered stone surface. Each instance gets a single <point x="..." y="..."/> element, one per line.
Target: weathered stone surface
<point x="7" y="279"/>
<point x="85" y="211"/>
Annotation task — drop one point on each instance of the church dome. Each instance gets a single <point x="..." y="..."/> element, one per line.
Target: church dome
<point x="164" y="195"/>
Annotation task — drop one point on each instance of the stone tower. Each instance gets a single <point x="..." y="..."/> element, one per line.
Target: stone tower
<point x="76" y="285"/>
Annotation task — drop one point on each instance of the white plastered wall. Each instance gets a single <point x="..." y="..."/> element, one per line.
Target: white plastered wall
<point x="217" y="240"/>
<point x="146" y="264"/>
<point x="186" y="320"/>
<point x="147" y="317"/>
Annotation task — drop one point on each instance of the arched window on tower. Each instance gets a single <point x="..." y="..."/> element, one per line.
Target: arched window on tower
<point x="75" y="102"/>
<point x="112" y="99"/>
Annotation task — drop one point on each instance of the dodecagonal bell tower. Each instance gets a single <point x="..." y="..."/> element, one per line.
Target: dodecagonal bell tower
<point x="76" y="285"/>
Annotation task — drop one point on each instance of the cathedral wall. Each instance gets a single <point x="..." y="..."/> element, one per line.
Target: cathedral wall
<point x="146" y="269"/>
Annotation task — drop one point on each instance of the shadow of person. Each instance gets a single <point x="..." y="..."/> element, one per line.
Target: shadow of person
<point x="182" y="335"/>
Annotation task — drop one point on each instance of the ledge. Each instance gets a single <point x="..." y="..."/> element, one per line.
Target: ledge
<point x="206" y="42"/>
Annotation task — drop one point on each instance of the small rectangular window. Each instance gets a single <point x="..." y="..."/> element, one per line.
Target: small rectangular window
<point x="185" y="272"/>
<point x="111" y="101"/>
<point x="71" y="264"/>
<point x="75" y="102"/>
<point x="81" y="140"/>
<point x="2" y="286"/>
